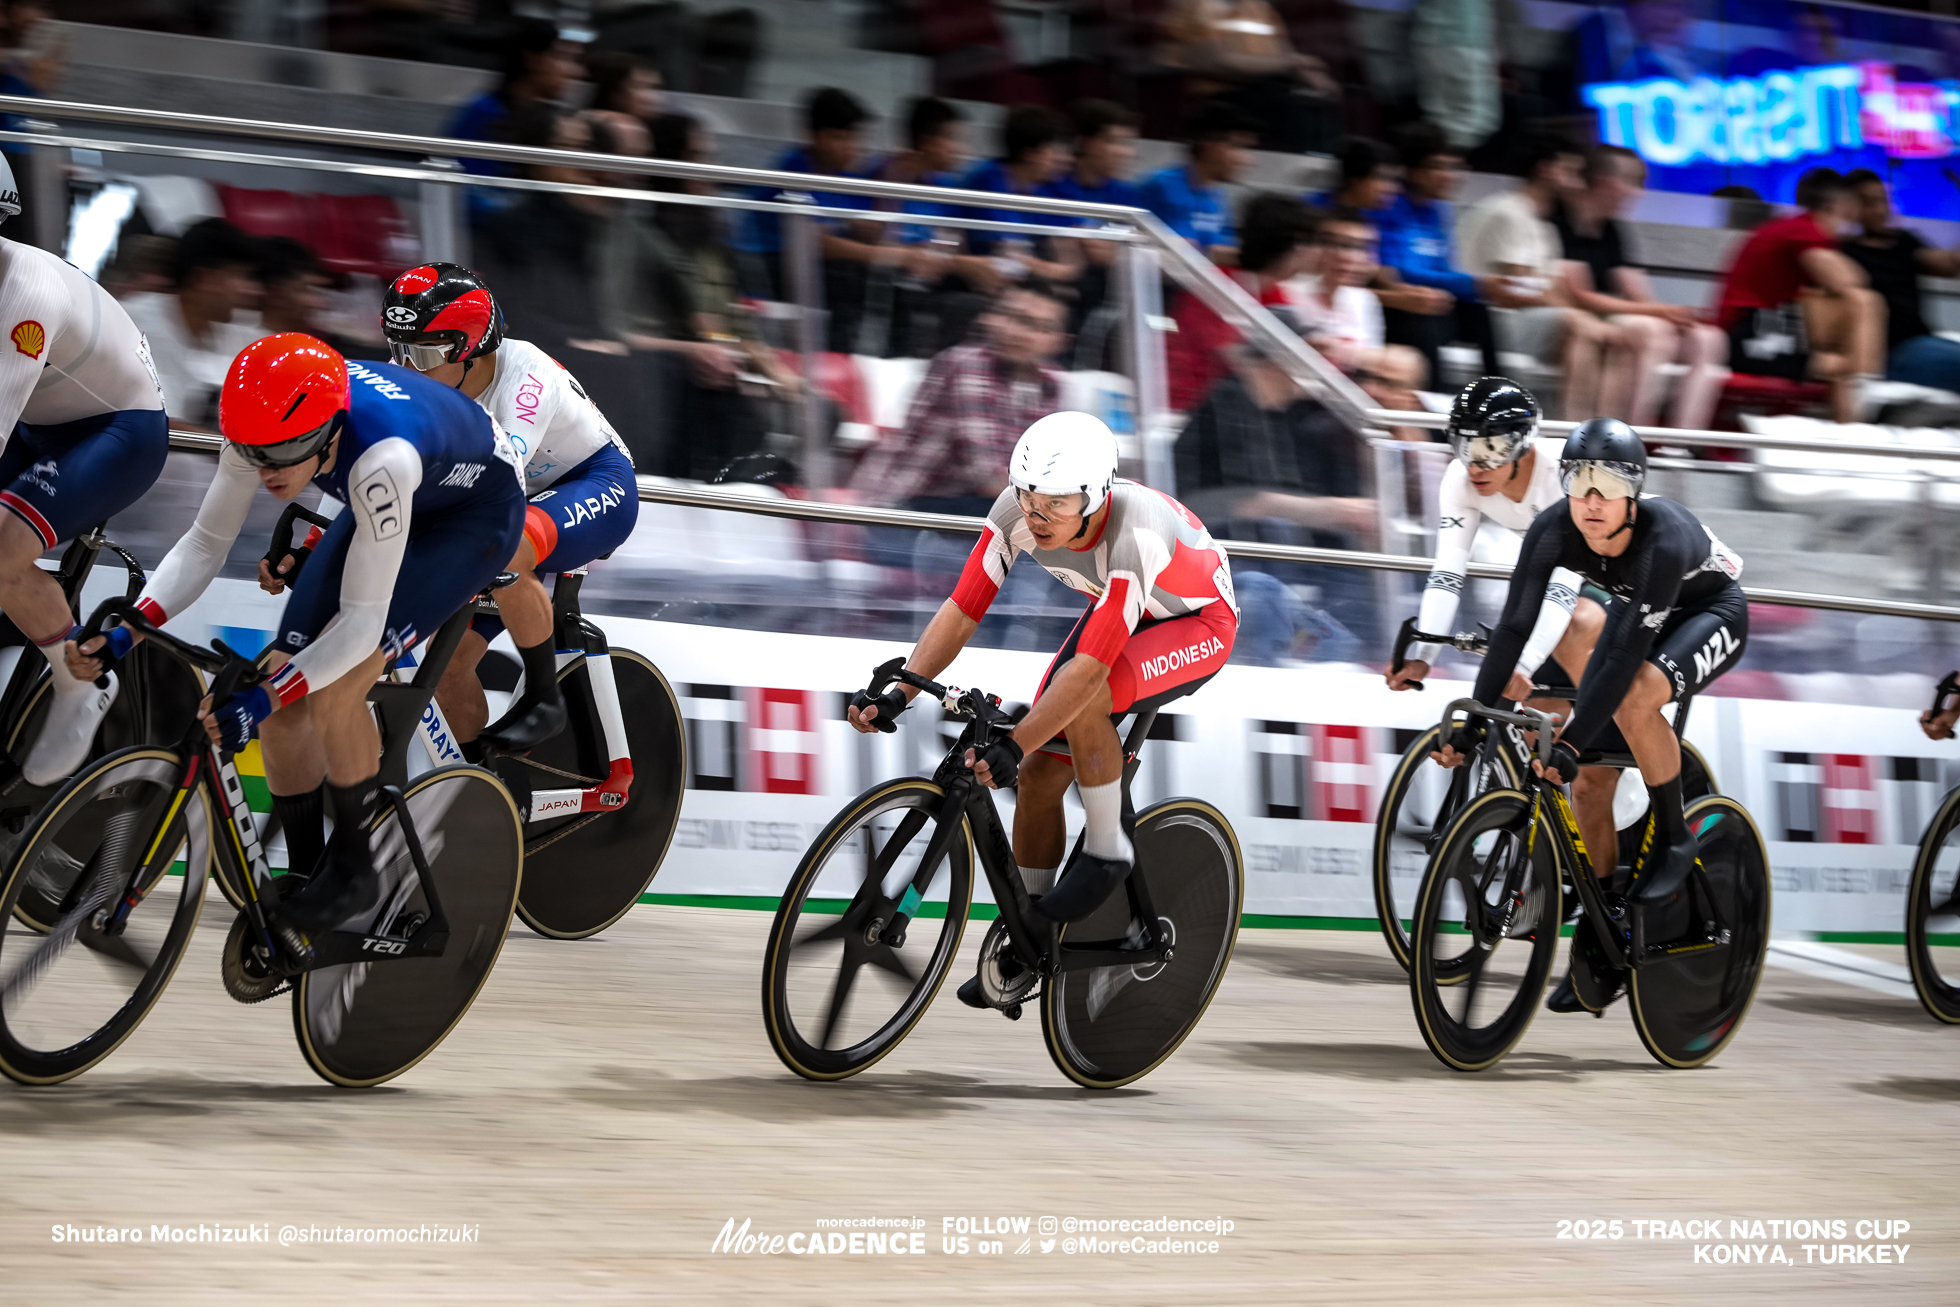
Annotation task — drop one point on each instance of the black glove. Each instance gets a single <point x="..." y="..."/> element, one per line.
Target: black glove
<point x="889" y="705"/>
<point x="1003" y="759"/>
<point x="1564" y="766"/>
<point x="1465" y="738"/>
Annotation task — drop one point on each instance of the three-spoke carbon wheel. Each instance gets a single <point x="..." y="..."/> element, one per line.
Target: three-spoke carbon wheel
<point x="1417" y="806"/>
<point x="1486" y="932"/>
<point x="362" y="1023"/>
<point x="584" y="872"/>
<point x="837" y="995"/>
<point x="125" y="827"/>
<point x="1933" y="915"/>
<point x="1108" y="1026"/>
<point x="159" y="698"/>
<point x="1689" y="1001"/>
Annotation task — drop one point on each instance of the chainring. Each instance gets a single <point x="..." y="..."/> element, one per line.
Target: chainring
<point x="996" y="954"/>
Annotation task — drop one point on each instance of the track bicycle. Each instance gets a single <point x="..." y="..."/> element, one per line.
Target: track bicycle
<point x="1486" y="925"/>
<point x="1933" y="899"/>
<point x="600" y="800"/>
<point x="375" y="996"/>
<point x="884" y="894"/>
<point x="1422" y="797"/>
<point x="157" y="697"/>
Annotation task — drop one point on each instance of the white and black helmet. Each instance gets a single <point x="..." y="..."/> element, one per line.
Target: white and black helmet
<point x="1066" y="453"/>
<point x="1492" y="422"/>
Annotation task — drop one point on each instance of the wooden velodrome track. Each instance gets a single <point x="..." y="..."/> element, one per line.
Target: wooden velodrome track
<point x="608" y="1105"/>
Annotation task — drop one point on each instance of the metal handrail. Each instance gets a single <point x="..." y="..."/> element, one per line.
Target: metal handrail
<point x="1185" y="264"/>
<point x="809" y="510"/>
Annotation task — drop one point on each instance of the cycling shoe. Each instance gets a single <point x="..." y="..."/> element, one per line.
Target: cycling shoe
<point x="345" y="888"/>
<point x="529" y="723"/>
<point x="971" y="994"/>
<point x="1664" y="872"/>
<point x="1084" y="885"/>
<point x="67" y="732"/>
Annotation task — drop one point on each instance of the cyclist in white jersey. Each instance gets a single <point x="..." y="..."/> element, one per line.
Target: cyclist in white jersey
<point x="441" y="320"/>
<point x="82" y="436"/>
<point x="1160" y="623"/>
<point x="1505" y="473"/>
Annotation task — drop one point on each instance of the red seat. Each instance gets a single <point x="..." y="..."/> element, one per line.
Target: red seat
<point x="364" y="233"/>
<point x="270" y="213"/>
<point x="1767" y="395"/>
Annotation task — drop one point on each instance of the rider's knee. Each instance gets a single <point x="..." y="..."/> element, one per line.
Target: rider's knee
<point x="1588" y="620"/>
<point x="1043" y="775"/>
<point x="1594" y="782"/>
<point x="1650" y="692"/>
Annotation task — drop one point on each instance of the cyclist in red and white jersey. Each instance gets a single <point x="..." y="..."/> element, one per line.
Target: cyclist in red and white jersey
<point x="1161" y="622"/>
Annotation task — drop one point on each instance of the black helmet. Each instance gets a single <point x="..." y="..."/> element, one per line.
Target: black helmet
<point x="440" y="313"/>
<point x="1492" y="422"/>
<point x="1603" y="454"/>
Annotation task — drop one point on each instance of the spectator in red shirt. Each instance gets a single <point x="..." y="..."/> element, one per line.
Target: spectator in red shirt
<point x="1795" y="306"/>
<point x="1275" y="244"/>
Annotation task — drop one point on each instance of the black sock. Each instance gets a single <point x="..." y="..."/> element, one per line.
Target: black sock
<point x="351" y="806"/>
<point x="1670" y="821"/>
<point x="302" y="816"/>
<point x="541" y="670"/>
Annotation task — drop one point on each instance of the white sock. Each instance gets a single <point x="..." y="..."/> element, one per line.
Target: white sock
<point x="64" y="681"/>
<point x="1039" y="880"/>
<point x="1102" y="810"/>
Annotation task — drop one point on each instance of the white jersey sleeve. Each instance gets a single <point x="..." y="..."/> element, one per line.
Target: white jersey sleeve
<point x="381" y="487"/>
<point x="193" y="562"/>
<point x="552" y="423"/>
<point x="1458" y="517"/>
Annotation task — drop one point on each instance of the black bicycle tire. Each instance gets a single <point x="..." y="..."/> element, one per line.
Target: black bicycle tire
<point x="184" y="923"/>
<point x="663" y="764"/>
<point x="309" y="1042"/>
<point x="154" y="665"/>
<point x="1637" y="1004"/>
<point x="1941" y="1001"/>
<point x="775" y="1019"/>
<point x="1463" y="829"/>
<point x="1054" y="1022"/>
<point x="1394" y="793"/>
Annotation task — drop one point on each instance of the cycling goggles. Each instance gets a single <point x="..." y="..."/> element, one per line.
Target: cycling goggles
<point x="1489" y="450"/>
<point x="1050" y="508"/>
<point x="290" y="453"/>
<point x="1582" y="476"/>
<point x="423" y="357"/>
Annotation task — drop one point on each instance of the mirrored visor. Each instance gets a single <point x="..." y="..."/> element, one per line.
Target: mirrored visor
<point x="1581" y="477"/>
<point x="422" y="357"/>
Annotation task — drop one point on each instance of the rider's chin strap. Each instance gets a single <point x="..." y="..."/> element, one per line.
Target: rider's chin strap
<point x="468" y="363"/>
<point x="1083" y="530"/>
<point x="1633" y="506"/>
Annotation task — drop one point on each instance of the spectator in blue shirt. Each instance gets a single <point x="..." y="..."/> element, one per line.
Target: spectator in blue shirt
<point x="946" y="286"/>
<point x="1416" y="235"/>
<point x="832" y="120"/>
<point x="1105" y="156"/>
<point x="539" y="67"/>
<point x="1034" y="154"/>
<point x="1190" y="197"/>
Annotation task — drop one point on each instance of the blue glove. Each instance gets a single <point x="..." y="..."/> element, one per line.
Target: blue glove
<point x="117" y="641"/>
<point x="239" y="716"/>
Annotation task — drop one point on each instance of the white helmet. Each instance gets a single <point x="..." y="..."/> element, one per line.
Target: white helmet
<point x="1066" y="453"/>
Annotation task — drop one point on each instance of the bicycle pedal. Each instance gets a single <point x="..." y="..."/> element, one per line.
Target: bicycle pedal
<point x="1012" y="1012"/>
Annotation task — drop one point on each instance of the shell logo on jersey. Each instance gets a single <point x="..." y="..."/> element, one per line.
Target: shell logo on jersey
<point x="30" y="338"/>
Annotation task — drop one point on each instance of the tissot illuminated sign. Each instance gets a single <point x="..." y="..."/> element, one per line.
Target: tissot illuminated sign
<point x="1779" y="116"/>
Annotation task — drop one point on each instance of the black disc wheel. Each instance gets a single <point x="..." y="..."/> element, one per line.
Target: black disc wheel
<point x="585" y="871"/>
<point x="1417" y="806"/>
<point x="1107" y="1026"/>
<point x="1705" y="957"/>
<point x="119" y="858"/>
<point x="362" y="1023"/>
<point x="159" y="697"/>
<point x="1486" y="932"/>
<point x="838" y="993"/>
<point x="1933" y="915"/>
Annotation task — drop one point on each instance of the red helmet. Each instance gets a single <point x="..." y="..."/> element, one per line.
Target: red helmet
<point x="440" y="313"/>
<point x="284" y="399"/>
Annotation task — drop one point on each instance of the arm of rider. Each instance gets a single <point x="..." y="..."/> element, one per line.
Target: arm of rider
<point x="945" y="635"/>
<point x="192" y="563"/>
<point x="1458" y="518"/>
<point x="1537" y="560"/>
<point x="1938" y="722"/>
<point x="1072" y="690"/>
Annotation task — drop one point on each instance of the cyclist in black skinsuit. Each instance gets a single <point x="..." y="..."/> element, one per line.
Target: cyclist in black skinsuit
<point x="1679" y="620"/>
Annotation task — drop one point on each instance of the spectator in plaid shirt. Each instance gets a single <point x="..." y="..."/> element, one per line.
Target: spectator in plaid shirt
<point x="972" y="407"/>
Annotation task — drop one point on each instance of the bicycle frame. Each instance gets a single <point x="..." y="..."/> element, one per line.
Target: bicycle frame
<point x="965" y="796"/>
<point x="1569" y="846"/>
<point x="576" y="638"/>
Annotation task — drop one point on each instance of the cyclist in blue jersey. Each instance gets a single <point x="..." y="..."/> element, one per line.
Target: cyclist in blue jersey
<point x="435" y="508"/>
<point x="82" y="436"/>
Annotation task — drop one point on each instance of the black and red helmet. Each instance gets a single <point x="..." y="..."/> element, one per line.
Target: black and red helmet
<point x="440" y="313"/>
